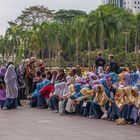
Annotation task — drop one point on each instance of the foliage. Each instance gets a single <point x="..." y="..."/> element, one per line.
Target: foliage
<point x="67" y="36"/>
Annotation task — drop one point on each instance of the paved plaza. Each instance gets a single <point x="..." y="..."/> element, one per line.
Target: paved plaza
<point x="26" y="123"/>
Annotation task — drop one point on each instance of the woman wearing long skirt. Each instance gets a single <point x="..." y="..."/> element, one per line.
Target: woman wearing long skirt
<point x="11" y="88"/>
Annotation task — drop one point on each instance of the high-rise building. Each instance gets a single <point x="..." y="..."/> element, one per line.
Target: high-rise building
<point x="133" y="5"/>
<point x="117" y="2"/>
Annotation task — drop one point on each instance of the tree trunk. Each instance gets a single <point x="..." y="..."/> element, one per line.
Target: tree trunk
<point x="89" y="54"/>
<point x="136" y="46"/>
<point x="137" y="52"/>
<point x="102" y="44"/>
<point x="50" y="58"/>
<point x="77" y="51"/>
<point x="42" y="52"/>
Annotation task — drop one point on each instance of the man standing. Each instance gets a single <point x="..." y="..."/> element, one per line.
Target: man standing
<point x="100" y="61"/>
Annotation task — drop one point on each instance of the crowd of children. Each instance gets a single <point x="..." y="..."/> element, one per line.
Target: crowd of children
<point x="102" y="93"/>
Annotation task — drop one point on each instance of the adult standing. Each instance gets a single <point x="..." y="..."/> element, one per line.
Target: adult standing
<point x="113" y="65"/>
<point x="30" y="74"/>
<point x="11" y="87"/>
<point x="41" y="66"/>
<point x="100" y="61"/>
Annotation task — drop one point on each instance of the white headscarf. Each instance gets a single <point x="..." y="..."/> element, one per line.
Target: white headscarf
<point x="11" y="82"/>
<point x="61" y="89"/>
<point x="10" y="74"/>
<point x="100" y="70"/>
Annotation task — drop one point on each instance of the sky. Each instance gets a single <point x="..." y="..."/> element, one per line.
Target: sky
<point x="10" y="9"/>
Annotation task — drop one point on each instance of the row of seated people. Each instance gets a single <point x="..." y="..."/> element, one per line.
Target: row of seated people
<point x="107" y="96"/>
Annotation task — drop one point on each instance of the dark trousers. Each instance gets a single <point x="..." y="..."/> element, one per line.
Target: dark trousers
<point x="113" y="112"/>
<point x="53" y="102"/>
<point x="85" y="110"/>
<point x="41" y="101"/>
<point x="29" y="83"/>
<point x="125" y="112"/>
<point x="2" y="102"/>
<point x="11" y="103"/>
<point x="95" y="110"/>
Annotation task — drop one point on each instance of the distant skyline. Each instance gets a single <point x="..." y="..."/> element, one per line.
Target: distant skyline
<point x="10" y="9"/>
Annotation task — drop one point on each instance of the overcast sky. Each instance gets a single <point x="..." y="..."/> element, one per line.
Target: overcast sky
<point x="10" y="9"/>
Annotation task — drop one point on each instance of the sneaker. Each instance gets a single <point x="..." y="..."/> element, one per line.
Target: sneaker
<point x="50" y="109"/>
<point x="61" y="114"/>
<point x="104" y="116"/>
<point x="135" y="124"/>
<point x="92" y="116"/>
<point x="4" y="108"/>
<point x="41" y="107"/>
<point x="56" y="111"/>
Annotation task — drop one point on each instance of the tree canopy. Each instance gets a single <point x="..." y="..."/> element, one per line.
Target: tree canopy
<point x="75" y="36"/>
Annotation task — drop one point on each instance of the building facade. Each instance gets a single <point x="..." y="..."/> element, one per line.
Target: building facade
<point x="133" y="5"/>
<point x="117" y="2"/>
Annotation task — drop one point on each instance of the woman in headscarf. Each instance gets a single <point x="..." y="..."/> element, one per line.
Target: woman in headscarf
<point x="97" y="107"/>
<point x="87" y="82"/>
<point x="127" y="77"/>
<point x="124" y="103"/>
<point x="71" y="103"/>
<point x="11" y="88"/>
<point x="135" y="101"/>
<point x="129" y="101"/>
<point x="82" y="102"/>
<point x="54" y="75"/>
<point x="87" y="104"/>
<point x="80" y="81"/>
<point x="60" y="90"/>
<point x="100" y="70"/>
<point x="93" y="77"/>
<point x="107" y="88"/>
<point x="121" y="80"/>
<point x="134" y="78"/>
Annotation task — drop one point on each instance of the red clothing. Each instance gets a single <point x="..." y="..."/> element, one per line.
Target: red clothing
<point x="45" y="91"/>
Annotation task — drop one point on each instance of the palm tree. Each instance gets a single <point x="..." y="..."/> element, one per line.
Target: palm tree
<point x="76" y="34"/>
<point x="102" y="25"/>
<point x="50" y="34"/>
